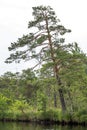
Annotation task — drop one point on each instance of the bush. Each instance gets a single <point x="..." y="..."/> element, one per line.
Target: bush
<point x="51" y="115"/>
<point x="42" y="102"/>
<point x="80" y="116"/>
<point x="66" y="117"/>
<point x="20" y="106"/>
<point x="4" y="105"/>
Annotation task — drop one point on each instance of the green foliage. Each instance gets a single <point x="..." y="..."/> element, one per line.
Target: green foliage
<point x="20" y="105"/>
<point x="4" y="105"/>
<point x="42" y="102"/>
<point x="4" y="102"/>
<point x="80" y="116"/>
<point x="52" y="115"/>
<point x="30" y="95"/>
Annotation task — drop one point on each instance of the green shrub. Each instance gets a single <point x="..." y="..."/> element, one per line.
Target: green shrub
<point x="4" y="106"/>
<point x="20" y="106"/>
<point x="42" y="102"/>
<point x="80" y="116"/>
<point x="50" y="114"/>
<point x="66" y="117"/>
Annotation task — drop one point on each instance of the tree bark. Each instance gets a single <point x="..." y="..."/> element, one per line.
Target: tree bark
<point x="61" y="94"/>
<point x="56" y="70"/>
<point x="62" y="100"/>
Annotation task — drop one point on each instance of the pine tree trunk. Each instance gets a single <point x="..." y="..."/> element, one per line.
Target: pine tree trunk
<point x="61" y="94"/>
<point x="56" y="70"/>
<point x="62" y="100"/>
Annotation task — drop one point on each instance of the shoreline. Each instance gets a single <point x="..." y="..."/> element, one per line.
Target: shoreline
<point x="46" y="122"/>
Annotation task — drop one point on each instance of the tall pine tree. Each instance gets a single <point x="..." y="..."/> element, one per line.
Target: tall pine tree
<point x="42" y="43"/>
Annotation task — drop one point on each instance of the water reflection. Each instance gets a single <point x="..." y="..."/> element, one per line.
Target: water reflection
<point x="28" y="126"/>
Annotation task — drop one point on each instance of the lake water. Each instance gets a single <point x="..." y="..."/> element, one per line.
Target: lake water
<point x="28" y="126"/>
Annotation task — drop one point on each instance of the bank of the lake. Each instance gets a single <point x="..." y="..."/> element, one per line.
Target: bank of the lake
<point x="45" y="117"/>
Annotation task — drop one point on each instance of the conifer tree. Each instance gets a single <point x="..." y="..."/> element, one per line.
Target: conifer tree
<point x="42" y="43"/>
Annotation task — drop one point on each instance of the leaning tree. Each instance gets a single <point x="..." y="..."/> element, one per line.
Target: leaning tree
<point x="42" y="43"/>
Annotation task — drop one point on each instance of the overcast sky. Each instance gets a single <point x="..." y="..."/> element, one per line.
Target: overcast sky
<point x="15" y="15"/>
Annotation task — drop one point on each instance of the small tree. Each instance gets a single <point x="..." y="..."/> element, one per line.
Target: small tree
<point x="42" y="43"/>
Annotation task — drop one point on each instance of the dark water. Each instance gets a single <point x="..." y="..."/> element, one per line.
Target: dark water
<point x="28" y="126"/>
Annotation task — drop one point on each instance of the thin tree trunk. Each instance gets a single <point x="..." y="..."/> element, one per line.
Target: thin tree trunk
<point x="55" y="99"/>
<point x="71" y="102"/>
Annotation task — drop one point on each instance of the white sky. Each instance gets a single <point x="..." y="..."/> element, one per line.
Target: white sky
<point x="15" y="15"/>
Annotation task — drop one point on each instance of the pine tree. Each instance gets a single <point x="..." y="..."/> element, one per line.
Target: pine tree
<point x="42" y="43"/>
